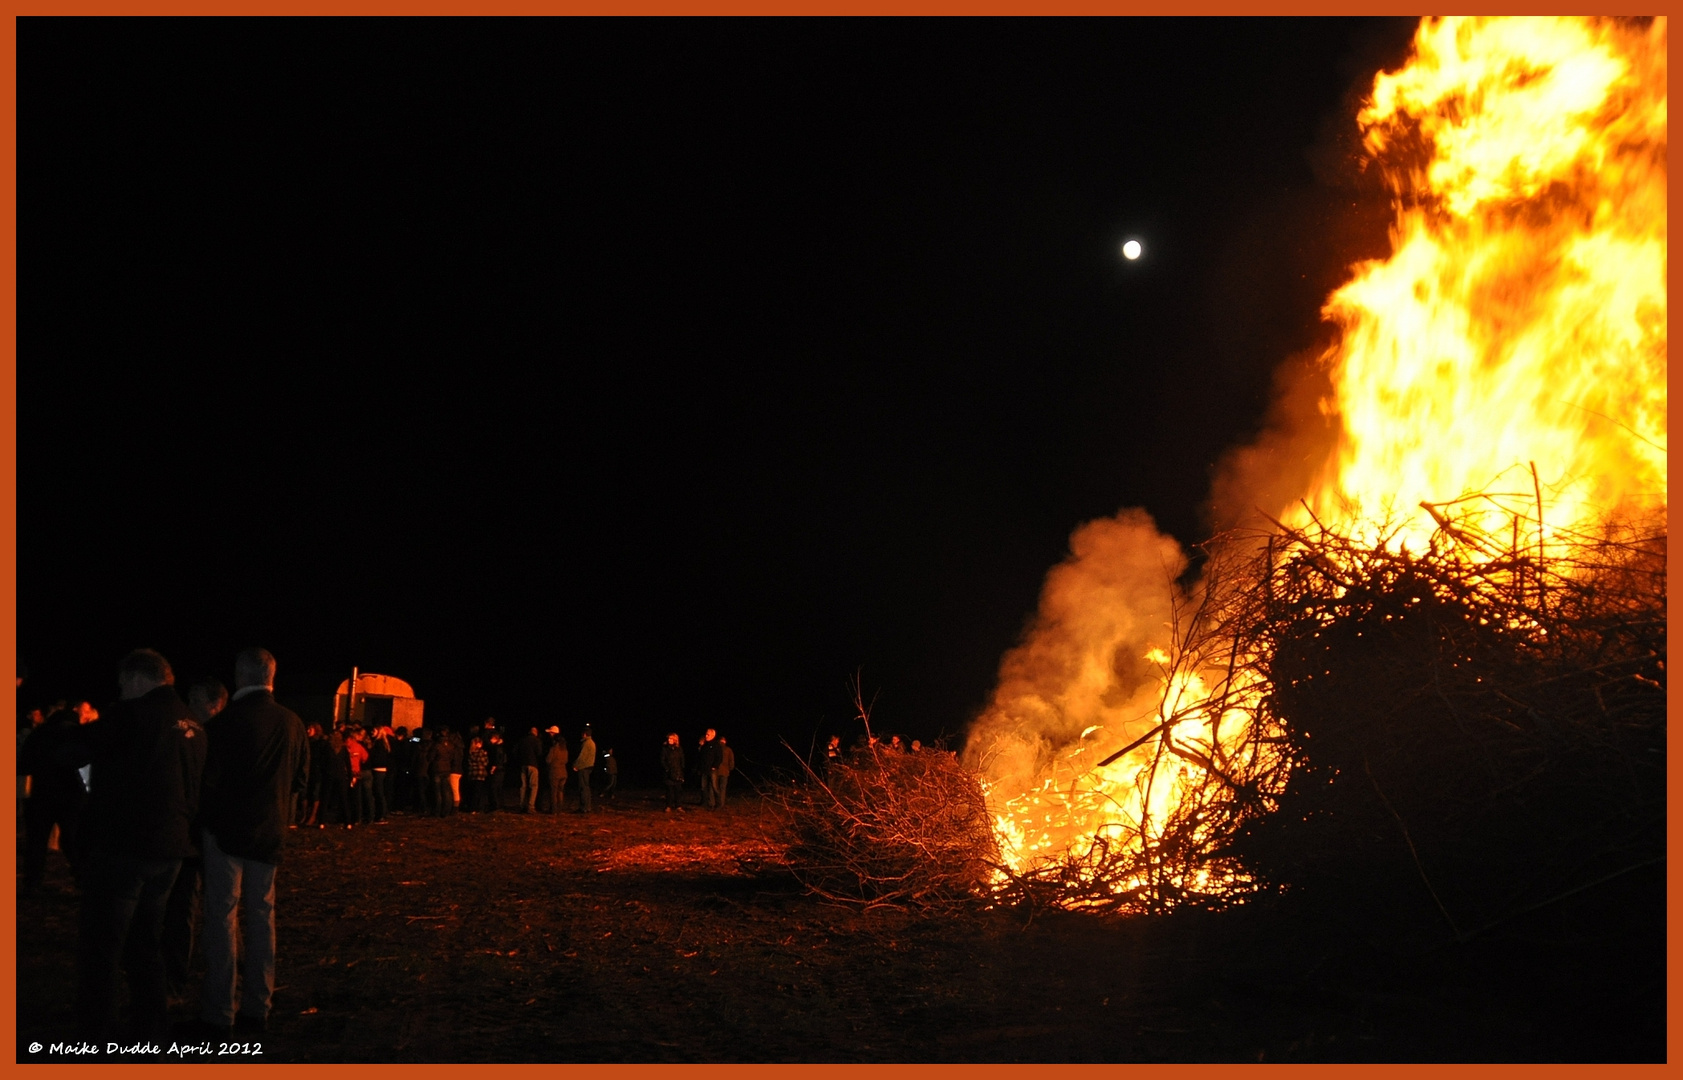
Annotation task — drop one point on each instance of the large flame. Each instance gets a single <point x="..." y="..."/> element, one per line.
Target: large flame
<point x="1512" y="345"/>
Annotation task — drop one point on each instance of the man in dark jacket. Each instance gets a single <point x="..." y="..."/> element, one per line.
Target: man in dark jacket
<point x="259" y="758"/>
<point x="710" y="757"/>
<point x="146" y="756"/>
<point x="672" y="771"/>
<point x="528" y="752"/>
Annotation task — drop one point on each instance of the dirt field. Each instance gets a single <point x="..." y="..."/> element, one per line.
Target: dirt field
<point x="637" y="935"/>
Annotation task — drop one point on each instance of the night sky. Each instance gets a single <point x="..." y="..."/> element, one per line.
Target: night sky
<point x="654" y="374"/>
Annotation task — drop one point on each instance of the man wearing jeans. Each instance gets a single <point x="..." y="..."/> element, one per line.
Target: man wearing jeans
<point x="259" y="758"/>
<point x="146" y="756"/>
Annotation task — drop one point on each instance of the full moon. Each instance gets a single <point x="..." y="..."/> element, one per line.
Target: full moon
<point x="1131" y="250"/>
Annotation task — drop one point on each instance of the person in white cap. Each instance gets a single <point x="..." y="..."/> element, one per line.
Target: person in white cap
<point x="555" y="764"/>
<point x="583" y="765"/>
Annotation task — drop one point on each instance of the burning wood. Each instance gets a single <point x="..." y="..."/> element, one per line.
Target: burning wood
<point x="1481" y="668"/>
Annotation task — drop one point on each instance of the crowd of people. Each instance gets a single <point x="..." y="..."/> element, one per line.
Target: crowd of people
<point x="173" y="815"/>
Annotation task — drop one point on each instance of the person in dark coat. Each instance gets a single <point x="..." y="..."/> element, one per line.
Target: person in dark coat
<point x="721" y="774"/>
<point x="146" y="756"/>
<point x="321" y="749"/>
<point x="205" y="699"/>
<point x="672" y="771"/>
<point x="380" y="770"/>
<point x="56" y="792"/>
<point x="708" y="763"/>
<point x="336" y="783"/>
<point x="439" y="759"/>
<point x="258" y="758"/>
<point x="528" y="753"/>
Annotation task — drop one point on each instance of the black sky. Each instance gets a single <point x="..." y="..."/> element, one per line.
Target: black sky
<point x="656" y="374"/>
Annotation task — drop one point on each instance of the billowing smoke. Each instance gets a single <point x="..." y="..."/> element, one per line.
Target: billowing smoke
<point x="1083" y="662"/>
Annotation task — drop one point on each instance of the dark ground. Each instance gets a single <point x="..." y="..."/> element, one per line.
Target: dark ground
<point x="637" y="935"/>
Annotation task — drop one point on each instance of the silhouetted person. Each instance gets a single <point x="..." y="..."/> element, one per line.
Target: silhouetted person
<point x="721" y="774"/>
<point x="146" y="756"/>
<point x="205" y="698"/>
<point x="610" y="766"/>
<point x="672" y="771"/>
<point x="528" y="752"/>
<point x="555" y="765"/>
<point x="48" y="758"/>
<point x="258" y="759"/>
<point x="709" y="766"/>
<point x="583" y="764"/>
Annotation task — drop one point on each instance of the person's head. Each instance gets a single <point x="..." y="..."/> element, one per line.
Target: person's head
<point x="85" y="712"/>
<point x="490" y="722"/>
<point x="476" y="743"/>
<point x="586" y="734"/>
<point x="206" y="698"/>
<point x="36" y="718"/>
<point x="312" y="731"/>
<point x="254" y="667"/>
<point x="672" y="739"/>
<point x="533" y="730"/>
<point x="141" y="672"/>
<point x="721" y="740"/>
<point x="711" y="734"/>
<point x="835" y="740"/>
<point x="552" y="730"/>
<point x="403" y="733"/>
<point x="917" y="745"/>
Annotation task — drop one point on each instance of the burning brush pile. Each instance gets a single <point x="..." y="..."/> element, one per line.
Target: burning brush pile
<point x="1423" y="672"/>
<point x="1367" y="692"/>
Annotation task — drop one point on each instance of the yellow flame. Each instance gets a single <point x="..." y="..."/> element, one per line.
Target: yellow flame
<point x="1519" y="324"/>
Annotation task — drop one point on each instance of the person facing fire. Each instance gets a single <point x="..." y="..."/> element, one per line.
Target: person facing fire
<point x="721" y="775"/>
<point x="146" y="762"/>
<point x="672" y="771"/>
<point x="258" y="758"/>
<point x="707" y="764"/>
<point x="555" y="765"/>
<point x="205" y="699"/>
<point x="528" y="753"/>
<point x="583" y="765"/>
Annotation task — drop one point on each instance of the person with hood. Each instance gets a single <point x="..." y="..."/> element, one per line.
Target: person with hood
<point x="583" y="764"/>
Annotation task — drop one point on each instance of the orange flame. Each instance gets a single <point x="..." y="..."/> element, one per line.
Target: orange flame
<point x="1516" y="332"/>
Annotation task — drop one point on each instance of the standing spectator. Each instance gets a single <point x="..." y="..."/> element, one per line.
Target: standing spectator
<point x="205" y="699"/>
<point x="582" y="765"/>
<point x="258" y="758"/>
<point x="555" y="763"/>
<point x="527" y="753"/>
<point x="709" y="766"/>
<point x="338" y="782"/>
<point x="832" y="753"/>
<point x="48" y="760"/>
<point x="380" y="770"/>
<point x="672" y="771"/>
<point x="315" y="794"/>
<point x="610" y="765"/>
<point x="478" y="769"/>
<point x="458" y="761"/>
<point x="700" y="766"/>
<point x="498" y="764"/>
<point x="426" y="800"/>
<point x="356" y="752"/>
<point x="146" y="762"/>
<point x="896" y="745"/>
<point x="438" y="770"/>
<point x="402" y="773"/>
<point x="721" y="775"/>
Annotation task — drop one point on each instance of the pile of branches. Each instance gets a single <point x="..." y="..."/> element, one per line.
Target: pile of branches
<point x="889" y="828"/>
<point x="1470" y="732"/>
<point x="1445" y="738"/>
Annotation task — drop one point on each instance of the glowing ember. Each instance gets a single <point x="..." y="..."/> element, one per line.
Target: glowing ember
<point x="1510" y="352"/>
